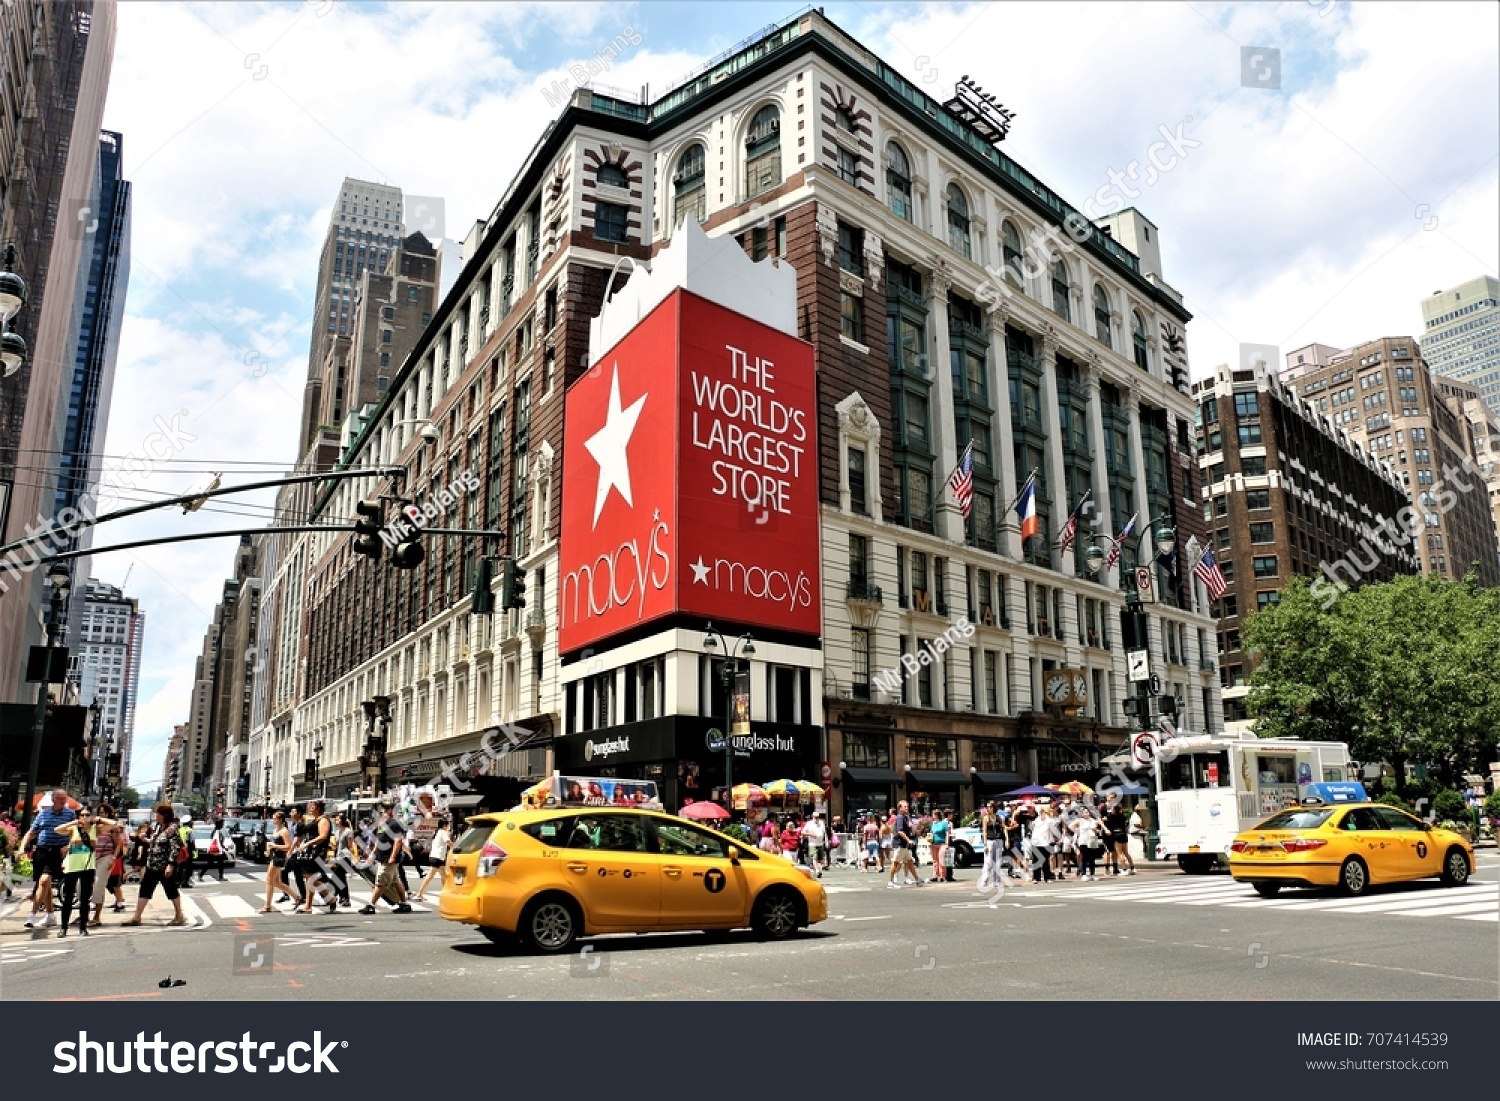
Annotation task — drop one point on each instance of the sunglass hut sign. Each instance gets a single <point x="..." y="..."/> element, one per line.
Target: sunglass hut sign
<point x="690" y="478"/>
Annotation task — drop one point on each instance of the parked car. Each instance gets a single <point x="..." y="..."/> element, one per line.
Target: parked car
<point x="968" y="846"/>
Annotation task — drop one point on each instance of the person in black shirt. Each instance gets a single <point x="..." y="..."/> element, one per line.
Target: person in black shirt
<point x="1117" y="839"/>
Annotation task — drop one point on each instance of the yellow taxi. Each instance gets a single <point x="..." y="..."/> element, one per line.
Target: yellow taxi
<point x="548" y="877"/>
<point x="1351" y="846"/>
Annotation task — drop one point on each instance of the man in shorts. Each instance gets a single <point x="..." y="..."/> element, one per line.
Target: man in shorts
<point x="390" y="843"/>
<point x="903" y="846"/>
<point x="46" y="846"/>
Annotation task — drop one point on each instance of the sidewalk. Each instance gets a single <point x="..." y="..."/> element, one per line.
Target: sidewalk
<point x="158" y="913"/>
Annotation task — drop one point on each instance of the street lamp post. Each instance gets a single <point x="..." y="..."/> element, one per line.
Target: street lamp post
<point x="268" y="782"/>
<point x="60" y="580"/>
<point x="318" y="766"/>
<point x="741" y="646"/>
<point x="1135" y="619"/>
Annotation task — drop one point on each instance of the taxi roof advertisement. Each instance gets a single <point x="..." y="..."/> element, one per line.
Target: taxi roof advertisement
<point x="695" y="484"/>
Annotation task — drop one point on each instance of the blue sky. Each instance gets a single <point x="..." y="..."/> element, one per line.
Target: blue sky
<point x="1319" y="210"/>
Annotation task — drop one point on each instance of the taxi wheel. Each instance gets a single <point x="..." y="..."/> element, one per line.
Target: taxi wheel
<point x="1268" y="890"/>
<point x="551" y="924"/>
<point x="778" y="913"/>
<point x="1354" y="877"/>
<point x="1455" y="868"/>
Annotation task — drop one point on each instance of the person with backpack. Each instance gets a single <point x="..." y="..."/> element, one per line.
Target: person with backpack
<point x="903" y="844"/>
<point x="314" y="853"/>
<point x="165" y="852"/>
<point x="220" y="849"/>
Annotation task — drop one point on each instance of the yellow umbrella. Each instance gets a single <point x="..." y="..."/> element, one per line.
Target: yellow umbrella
<point x="745" y="796"/>
<point x="1072" y="787"/>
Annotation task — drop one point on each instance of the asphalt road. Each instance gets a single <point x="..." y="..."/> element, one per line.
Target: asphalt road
<point x="1159" y="935"/>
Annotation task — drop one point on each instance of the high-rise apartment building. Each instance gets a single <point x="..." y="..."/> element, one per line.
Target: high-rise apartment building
<point x="1384" y="395"/>
<point x="1484" y="434"/>
<point x="903" y="223"/>
<point x="1286" y="492"/>
<point x="1462" y="335"/>
<point x="53" y="80"/>
<point x="105" y="277"/>
<point x="106" y="656"/>
<point x="364" y="230"/>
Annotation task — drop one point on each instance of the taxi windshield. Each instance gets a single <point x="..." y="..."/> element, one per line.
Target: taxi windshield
<point x="1303" y="818"/>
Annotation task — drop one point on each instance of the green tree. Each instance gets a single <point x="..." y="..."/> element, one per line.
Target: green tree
<point x="129" y="799"/>
<point x="1401" y="670"/>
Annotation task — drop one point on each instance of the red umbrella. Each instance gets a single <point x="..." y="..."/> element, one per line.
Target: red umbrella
<point x="45" y="798"/>
<point x="705" y="811"/>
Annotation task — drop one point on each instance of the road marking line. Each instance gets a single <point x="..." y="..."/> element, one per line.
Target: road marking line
<point x="1478" y="917"/>
<point x="1486" y="907"/>
<point x="879" y="917"/>
<point x="229" y="906"/>
<point x="1460" y="893"/>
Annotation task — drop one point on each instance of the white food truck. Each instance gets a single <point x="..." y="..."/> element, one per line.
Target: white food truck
<point x="1209" y="789"/>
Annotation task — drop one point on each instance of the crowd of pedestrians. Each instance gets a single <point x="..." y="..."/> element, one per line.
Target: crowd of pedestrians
<point x="82" y="857"/>
<point x="1020" y="839"/>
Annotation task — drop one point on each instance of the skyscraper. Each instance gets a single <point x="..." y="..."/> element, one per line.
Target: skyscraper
<point x="363" y="230"/>
<point x="56" y="64"/>
<point x="1462" y="337"/>
<point x="105" y="225"/>
<point x="107" y="665"/>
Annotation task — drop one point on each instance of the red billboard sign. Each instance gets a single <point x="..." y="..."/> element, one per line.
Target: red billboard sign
<point x="690" y="478"/>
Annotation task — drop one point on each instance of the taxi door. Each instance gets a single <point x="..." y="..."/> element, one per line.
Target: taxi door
<point x="1366" y="836"/>
<point x="1418" y="855"/>
<point x="605" y="861"/>
<point x="701" y="888"/>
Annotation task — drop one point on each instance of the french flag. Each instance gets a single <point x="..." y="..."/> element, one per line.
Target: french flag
<point x="1026" y="510"/>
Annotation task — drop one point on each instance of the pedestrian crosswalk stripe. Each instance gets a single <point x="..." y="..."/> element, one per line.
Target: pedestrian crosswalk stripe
<point x="1456" y="894"/>
<point x="229" y="906"/>
<point x="1493" y="915"/>
<point x="1486" y="906"/>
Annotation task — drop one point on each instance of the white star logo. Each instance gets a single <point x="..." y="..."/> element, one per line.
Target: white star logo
<point x="700" y="571"/>
<point x="608" y="447"/>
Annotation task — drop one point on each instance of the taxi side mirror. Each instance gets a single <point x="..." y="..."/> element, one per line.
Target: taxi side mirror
<point x="734" y="856"/>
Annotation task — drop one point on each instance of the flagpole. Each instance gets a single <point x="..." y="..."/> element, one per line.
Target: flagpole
<point x="1024" y="487"/>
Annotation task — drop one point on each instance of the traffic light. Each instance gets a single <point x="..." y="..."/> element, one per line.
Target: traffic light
<point x="512" y="585"/>
<point x="371" y="518"/>
<point x="409" y="552"/>
<point x="484" y="599"/>
<point x="1132" y="706"/>
<point x="1167" y="705"/>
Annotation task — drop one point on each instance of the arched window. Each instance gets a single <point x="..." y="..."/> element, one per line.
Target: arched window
<point x="1010" y="245"/>
<point x="689" y="193"/>
<point x="763" y="152"/>
<point x="1138" y="341"/>
<point x="898" y="181"/>
<point x="1101" y="315"/>
<point x="612" y="175"/>
<point x="958" y="221"/>
<point x="1060" y="291"/>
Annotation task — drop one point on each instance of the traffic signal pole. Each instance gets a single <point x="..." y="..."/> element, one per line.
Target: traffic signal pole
<point x="290" y="530"/>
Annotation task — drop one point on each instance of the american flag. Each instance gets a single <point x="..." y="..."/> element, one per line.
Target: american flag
<point x="1114" y="552"/>
<point x="1207" y="570"/>
<point x="962" y="482"/>
<point x="1070" y="529"/>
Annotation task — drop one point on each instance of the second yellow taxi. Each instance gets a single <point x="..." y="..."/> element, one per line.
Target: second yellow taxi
<point x="547" y="877"/>
<point x="1351" y="846"/>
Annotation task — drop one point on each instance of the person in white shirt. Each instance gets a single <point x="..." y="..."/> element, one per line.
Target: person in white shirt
<point x="1087" y="830"/>
<point x="1044" y="837"/>
<point x="816" y="837"/>
<point x="437" y="859"/>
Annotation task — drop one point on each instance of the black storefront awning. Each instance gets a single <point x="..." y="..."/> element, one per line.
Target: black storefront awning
<point x="1002" y="781"/>
<point x="937" y="778"/>
<point x="872" y="775"/>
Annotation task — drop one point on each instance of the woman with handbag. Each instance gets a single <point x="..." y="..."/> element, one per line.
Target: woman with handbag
<point x="109" y="858"/>
<point x="278" y="845"/>
<point x="164" y="854"/>
<point x="311" y="853"/>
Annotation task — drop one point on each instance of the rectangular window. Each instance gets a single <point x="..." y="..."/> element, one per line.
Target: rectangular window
<point x="859" y="650"/>
<point x="610" y="222"/>
<point x="1262" y="533"/>
<point x="1247" y="405"/>
<point x="1249" y="434"/>
<point x="1264" y="600"/>
<point x="858" y="494"/>
<point x="1257" y="498"/>
<point x="991" y="683"/>
<point x="852" y="249"/>
<point x="1253" y="466"/>
<point x="852" y="316"/>
<point x="1265" y="566"/>
<point x="859" y="564"/>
